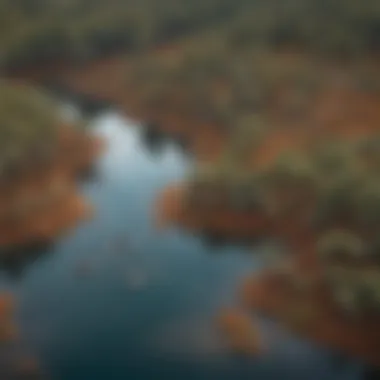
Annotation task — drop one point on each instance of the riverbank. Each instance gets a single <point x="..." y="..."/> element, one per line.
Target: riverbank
<point x="43" y="202"/>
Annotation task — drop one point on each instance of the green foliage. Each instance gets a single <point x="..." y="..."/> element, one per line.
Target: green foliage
<point x="355" y="291"/>
<point x="79" y="29"/>
<point x="374" y="250"/>
<point x="292" y="169"/>
<point x="347" y="300"/>
<point x="335" y="201"/>
<point x="340" y="245"/>
<point x="245" y="194"/>
<point x="340" y="177"/>
<point x="334" y="158"/>
<point x="28" y="122"/>
<point x="367" y="203"/>
<point x="246" y="137"/>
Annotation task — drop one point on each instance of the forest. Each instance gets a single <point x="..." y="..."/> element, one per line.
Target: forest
<point x="77" y="30"/>
<point x="279" y="102"/>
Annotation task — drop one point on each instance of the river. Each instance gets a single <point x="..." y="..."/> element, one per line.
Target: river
<point x="117" y="299"/>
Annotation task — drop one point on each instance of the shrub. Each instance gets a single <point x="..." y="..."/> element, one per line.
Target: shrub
<point x="369" y="149"/>
<point x="374" y="250"/>
<point x="367" y="203"/>
<point x="204" y="187"/>
<point x="245" y="194"/>
<point x="333" y="158"/>
<point x="339" y="245"/>
<point x="336" y="197"/>
<point x="346" y="298"/>
<point x="246" y="137"/>
<point x="356" y="291"/>
<point x="28" y="120"/>
<point x="369" y="291"/>
<point x="292" y="170"/>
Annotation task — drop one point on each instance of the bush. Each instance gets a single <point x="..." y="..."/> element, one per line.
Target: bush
<point x="334" y="158"/>
<point x="368" y="292"/>
<point x="374" y="250"/>
<point x="367" y="203"/>
<point x="245" y="194"/>
<point x="292" y="170"/>
<point x="336" y="196"/>
<point x="247" y="135"/>
<point x="357" y="292"/>
<point x="347" y="300"/>
<point x="28" y="120"/>
<point x="369" y="150"/>
<point x="204" y="187"/>
<point x="340" y="245"/>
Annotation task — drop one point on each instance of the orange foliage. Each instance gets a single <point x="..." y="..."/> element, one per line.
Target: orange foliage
<point x="240" y="331"/>
<point x="358" y="337"/>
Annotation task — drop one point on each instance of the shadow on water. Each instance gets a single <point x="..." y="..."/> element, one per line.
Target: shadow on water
<point x="15" y="261"/>
<point x="89" y="106"/>
<point x="89" y="174"/>
<point x="156" y="141"/>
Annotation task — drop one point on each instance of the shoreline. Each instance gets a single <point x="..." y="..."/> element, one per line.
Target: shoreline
<point x="40" y="206"/>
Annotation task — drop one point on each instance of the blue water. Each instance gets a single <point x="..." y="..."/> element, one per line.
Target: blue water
<point x="117" y="299"/>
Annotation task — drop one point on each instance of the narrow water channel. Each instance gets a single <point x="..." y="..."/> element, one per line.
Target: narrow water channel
<point x="117" y="299"/>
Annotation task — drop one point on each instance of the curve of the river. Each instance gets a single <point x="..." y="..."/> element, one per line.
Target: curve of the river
<point x="117" y="299"/>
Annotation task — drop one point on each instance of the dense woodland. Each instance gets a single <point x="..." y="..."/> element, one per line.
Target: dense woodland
<point x="36" y="32"/>
<point x="28" y="133"/>
<point x="45" y="30"/>
<point x="332" y="189"/>
<point x="40" y="157"/>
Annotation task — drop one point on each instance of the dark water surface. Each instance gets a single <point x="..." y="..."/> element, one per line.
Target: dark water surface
<point x="117" y="299"/>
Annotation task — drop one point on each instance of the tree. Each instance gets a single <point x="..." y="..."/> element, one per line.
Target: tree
<point x="28" y="119"/>
<point x="367" y="203"/>
<point x="340" y="245"/>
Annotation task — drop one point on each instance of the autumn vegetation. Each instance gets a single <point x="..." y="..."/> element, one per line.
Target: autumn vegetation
<point x="298" y="162"/>
<point x="280" y="103"/>
<point x="40" y="159"/>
